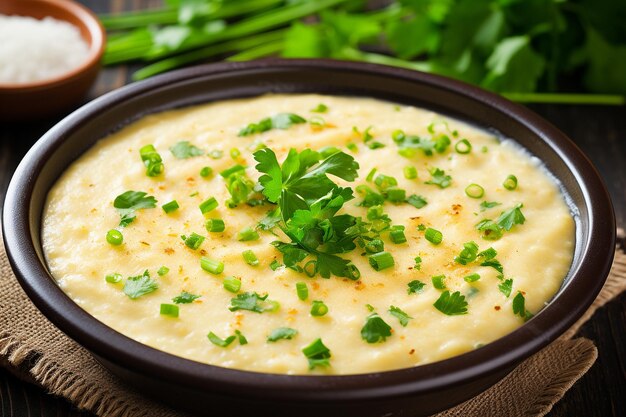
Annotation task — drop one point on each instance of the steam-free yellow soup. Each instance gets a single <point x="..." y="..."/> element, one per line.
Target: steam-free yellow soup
<point x="308" y="234"/>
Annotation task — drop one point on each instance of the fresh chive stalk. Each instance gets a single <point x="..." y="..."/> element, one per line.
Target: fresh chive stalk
<point x="250" y="258"/>
<point x="214" y="225"/>
<point x="302" y="290"/>
<point x="170" y="207"/>
<point x="232" y="284"/>
<point x="208" y="205"/>
<point x="381" y="260"/>
<point x="170" y="310"/>
<point x="434" y="236"/>
<point x="212" y="266"/>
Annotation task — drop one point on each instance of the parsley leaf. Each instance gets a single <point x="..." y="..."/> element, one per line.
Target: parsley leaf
<point x="490" y="229"/>
<point x="252" y="301"/>
<point x="184" y="150"/>
<point x="506" y="287"/>
<point x="129" y="202"/>
<point x="140" y="285"/>
<point x="511" y="217"/>
<point x="451" y="304"/>
<point x="415" y="286"/>
<point x="375" y="329"/>
<point x="494" y="263"/>
<point x="485" y="205"/>
<point x="519" y="306"/>
<point x="317" y="354"/>
<point x="281" y="333"/>
<point x="185" y="298"/>
<point x="439" y="178"/>
<point x="401" y="315"/>
<point x="280" y="121"/>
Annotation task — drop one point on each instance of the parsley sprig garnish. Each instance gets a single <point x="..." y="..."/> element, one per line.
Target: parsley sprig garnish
<point x="308" y="202"/>
<point x="140" y="285"/>
<point x="451" y="304"/>
<point x="279" y="121"/>
<point x="375" y="329"/>
<point x="129" y="202"/>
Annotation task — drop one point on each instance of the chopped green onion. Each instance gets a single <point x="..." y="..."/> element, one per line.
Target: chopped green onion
<point x="317" y="121"/>
<point x="384" y="182"/>
<point x="235" y="153"/>
<point x="274" y="265"/>
<point x="250" y="258"/>
<point x="247" y="234"/>
<point x="410" y="172"/>
<point x="209" y="265"/>
<point x="381" y="260"/>
<point x="474" y="191"/>
<point x="510" y="183"/>
<point x="468" y="254"/>
<point x="397" y="235"/>
<point x="170" y="207"/>
<point x="396" y="195"/>
<point x="232" y="170"/>
<point x="163" y="271"/>
<point x="152" y="160"/>
<point x="398" y="136"/>
<point x="463" y="146"/>
<point x="321" y="108"/>
<point x="353" y="147"/>
<point x="170" y="310"/>
<point x="302" y="290"/>
<point x="471" y="278"/>
<point x="371" y="174"/>
<point x="216" y="154"/>
<point x="232" y="284"/>
<point x="214" y="225"/>
<point x="208" y="205"/>
<point x="317" y="354"/>
<point x="433" y="236"/>
<point x="318" y="308"/>
<point x="193" y="241"/>
<point x="439" y="282"/>
<point x="374" y="246"/>
<point x="206" y="171"/>
<point x="221" y="342"/>
<point x="115" y="237"/>
<point x="113" y="278"/>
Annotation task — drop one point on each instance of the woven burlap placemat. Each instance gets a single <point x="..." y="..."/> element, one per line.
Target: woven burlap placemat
<point x="36" y="351"/>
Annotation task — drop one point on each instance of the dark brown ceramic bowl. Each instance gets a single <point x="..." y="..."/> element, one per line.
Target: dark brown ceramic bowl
<point x="49" y="97"/>
<point x="207" y="389"/>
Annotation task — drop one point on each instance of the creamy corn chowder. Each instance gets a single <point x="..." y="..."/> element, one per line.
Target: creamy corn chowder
<point x="308" y="234"/>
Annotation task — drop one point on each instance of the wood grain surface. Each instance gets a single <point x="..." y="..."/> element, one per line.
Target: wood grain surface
<point x="601" y="133"/>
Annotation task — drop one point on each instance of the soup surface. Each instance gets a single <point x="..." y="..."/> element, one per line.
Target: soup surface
<point x="391" y="237"/>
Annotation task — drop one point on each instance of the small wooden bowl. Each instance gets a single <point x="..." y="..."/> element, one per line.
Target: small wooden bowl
<point x="19" y="102"/>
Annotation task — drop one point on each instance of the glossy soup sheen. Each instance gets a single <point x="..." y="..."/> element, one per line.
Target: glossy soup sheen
<point x="361" y="330"/>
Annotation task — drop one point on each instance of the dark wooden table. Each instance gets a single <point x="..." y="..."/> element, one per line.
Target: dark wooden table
<point x="601" y="133"/>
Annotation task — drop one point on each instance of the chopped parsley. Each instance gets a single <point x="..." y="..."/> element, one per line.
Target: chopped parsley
<point x="511" y="217"/>
<point x="416" y="201"/>
<point x="451" y="304"/>
<point x="506" y="287"/>
<point x="185" y="298"/>
<point x="279" y="121"/>
<point x="140" y="285"/>
<point x="494" y="263"/>
<point x="485" y="205"/>
<point x="129" y="202"/>
<point x="400" y="315"/>
<point x="317" y="354"/>
<point x="489" y="229"/>
<point x="418" y="262"/>
<point x="282" y="333"/>
<point x="471" y="278"/>
<point x="439" y="178"/>
<point x="415" y="287"/>
<point x="184" y="150"/>
<point x="252" y="301"/>
<point x="519" y="307"/>
<point x="375" y="329"/>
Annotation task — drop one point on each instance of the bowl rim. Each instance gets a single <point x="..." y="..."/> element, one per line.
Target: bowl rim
<point x="96" y="46"/>
<point x="498" y="356"/>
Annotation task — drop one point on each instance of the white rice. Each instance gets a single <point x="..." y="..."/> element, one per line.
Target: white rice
<point x="34" y="50"/>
